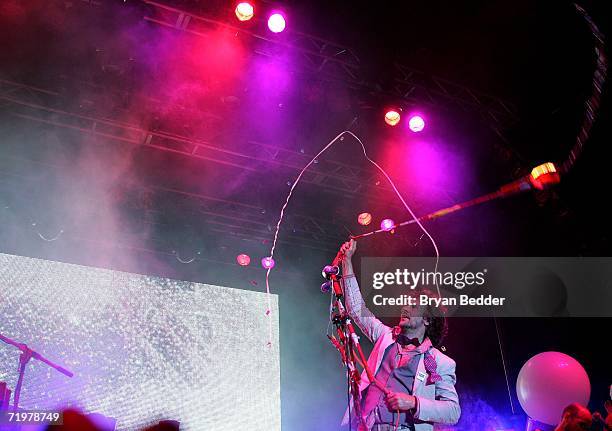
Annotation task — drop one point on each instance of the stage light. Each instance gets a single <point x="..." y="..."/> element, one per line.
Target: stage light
<point x="387" y="224"/>
<point x="416" y="123"/>
<point x="392" y="117"/>
<point x="244" y="11"/>
<point x="243" y="259"/>
<point x="276" y="23"/>
<point x="364" y="219"/>
<point x="268" y="262"/>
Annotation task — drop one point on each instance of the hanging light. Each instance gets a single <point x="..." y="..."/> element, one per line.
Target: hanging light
<point x="392" y="117"/>
<point x="416" y="123"/>
<point x="244" y="11"/>
<point x="276" y="22"/>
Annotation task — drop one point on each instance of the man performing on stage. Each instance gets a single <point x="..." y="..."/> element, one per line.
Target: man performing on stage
<point x="419" y="379"/>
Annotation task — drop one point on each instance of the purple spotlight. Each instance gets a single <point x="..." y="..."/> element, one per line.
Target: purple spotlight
<point x="387" y="224"/>
<point x="276" y="23"/>
<point x="268" y="262"/>
<point x="416" y="123"/>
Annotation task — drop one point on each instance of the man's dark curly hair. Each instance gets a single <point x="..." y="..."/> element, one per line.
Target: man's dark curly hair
<point x="437" y="330"/>
<point x="438" y="326"/>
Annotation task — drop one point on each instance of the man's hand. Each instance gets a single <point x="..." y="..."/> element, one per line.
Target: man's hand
<point x="400" y="401"/>
<point x="348" y="249"/>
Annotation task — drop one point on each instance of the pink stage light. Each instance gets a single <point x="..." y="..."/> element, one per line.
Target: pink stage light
<point x="387" y="224"/>
<point x="276" y="23"/>
<point x="268" y="262"/>
<point x="416" y="123"/>
<point x="243" y="259"/>
<point x="392" y="117"/>
<point x="244" y="11"/>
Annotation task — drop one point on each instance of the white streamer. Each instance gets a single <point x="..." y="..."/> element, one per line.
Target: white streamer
<point x="294" y="185"/>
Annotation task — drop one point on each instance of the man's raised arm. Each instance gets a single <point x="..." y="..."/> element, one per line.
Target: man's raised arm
<point x="355" y="305"/>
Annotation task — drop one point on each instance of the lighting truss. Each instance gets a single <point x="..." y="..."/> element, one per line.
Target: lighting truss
<point x="340" y="63"/>
<point x="318" y="55"/>
<point x="41" y="105"/>
<point x="328" y="60"/>
<point x="232" y="218"/>
<point x="415" y="86"/>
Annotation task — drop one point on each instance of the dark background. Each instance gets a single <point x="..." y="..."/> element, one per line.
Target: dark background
<point x="69" y="195"/>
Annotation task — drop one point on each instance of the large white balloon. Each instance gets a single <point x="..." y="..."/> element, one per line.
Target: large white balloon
<point x="548" y="383"/>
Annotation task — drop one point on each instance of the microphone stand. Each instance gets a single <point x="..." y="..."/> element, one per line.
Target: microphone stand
<point x="24" y="358"/>
<point x="347" y="342"/>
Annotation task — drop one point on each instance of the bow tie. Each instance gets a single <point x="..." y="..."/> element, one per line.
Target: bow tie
<point x="404" y="340"/>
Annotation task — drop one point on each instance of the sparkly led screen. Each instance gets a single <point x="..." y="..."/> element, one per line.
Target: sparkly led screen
<point x="141" y="348"/>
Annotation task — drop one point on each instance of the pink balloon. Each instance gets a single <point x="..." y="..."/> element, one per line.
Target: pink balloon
<point x="548" y="383"/>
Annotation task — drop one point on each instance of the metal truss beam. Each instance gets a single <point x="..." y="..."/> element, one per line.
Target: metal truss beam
<point x="315" y="54"/>
<point x="335" y="62"/>
<point x="413" y="85"/>
<point x="339" y="62"/>
<point x="233" y="218"/>
<point x="40" y="106"/>
<point x="328" y="60"/>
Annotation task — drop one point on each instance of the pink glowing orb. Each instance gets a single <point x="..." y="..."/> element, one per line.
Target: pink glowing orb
<point x="364" y="219"/>
<point x="276" y="23"/>
<point x="549" y="382"/>
<point x="243" y="259"/>
<point x="268" y="262"/>
<point x="244" y="11"/>
<point x="387" y="224"/>
<point x="416" y="123"/>
<point x="392" y="117"/>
